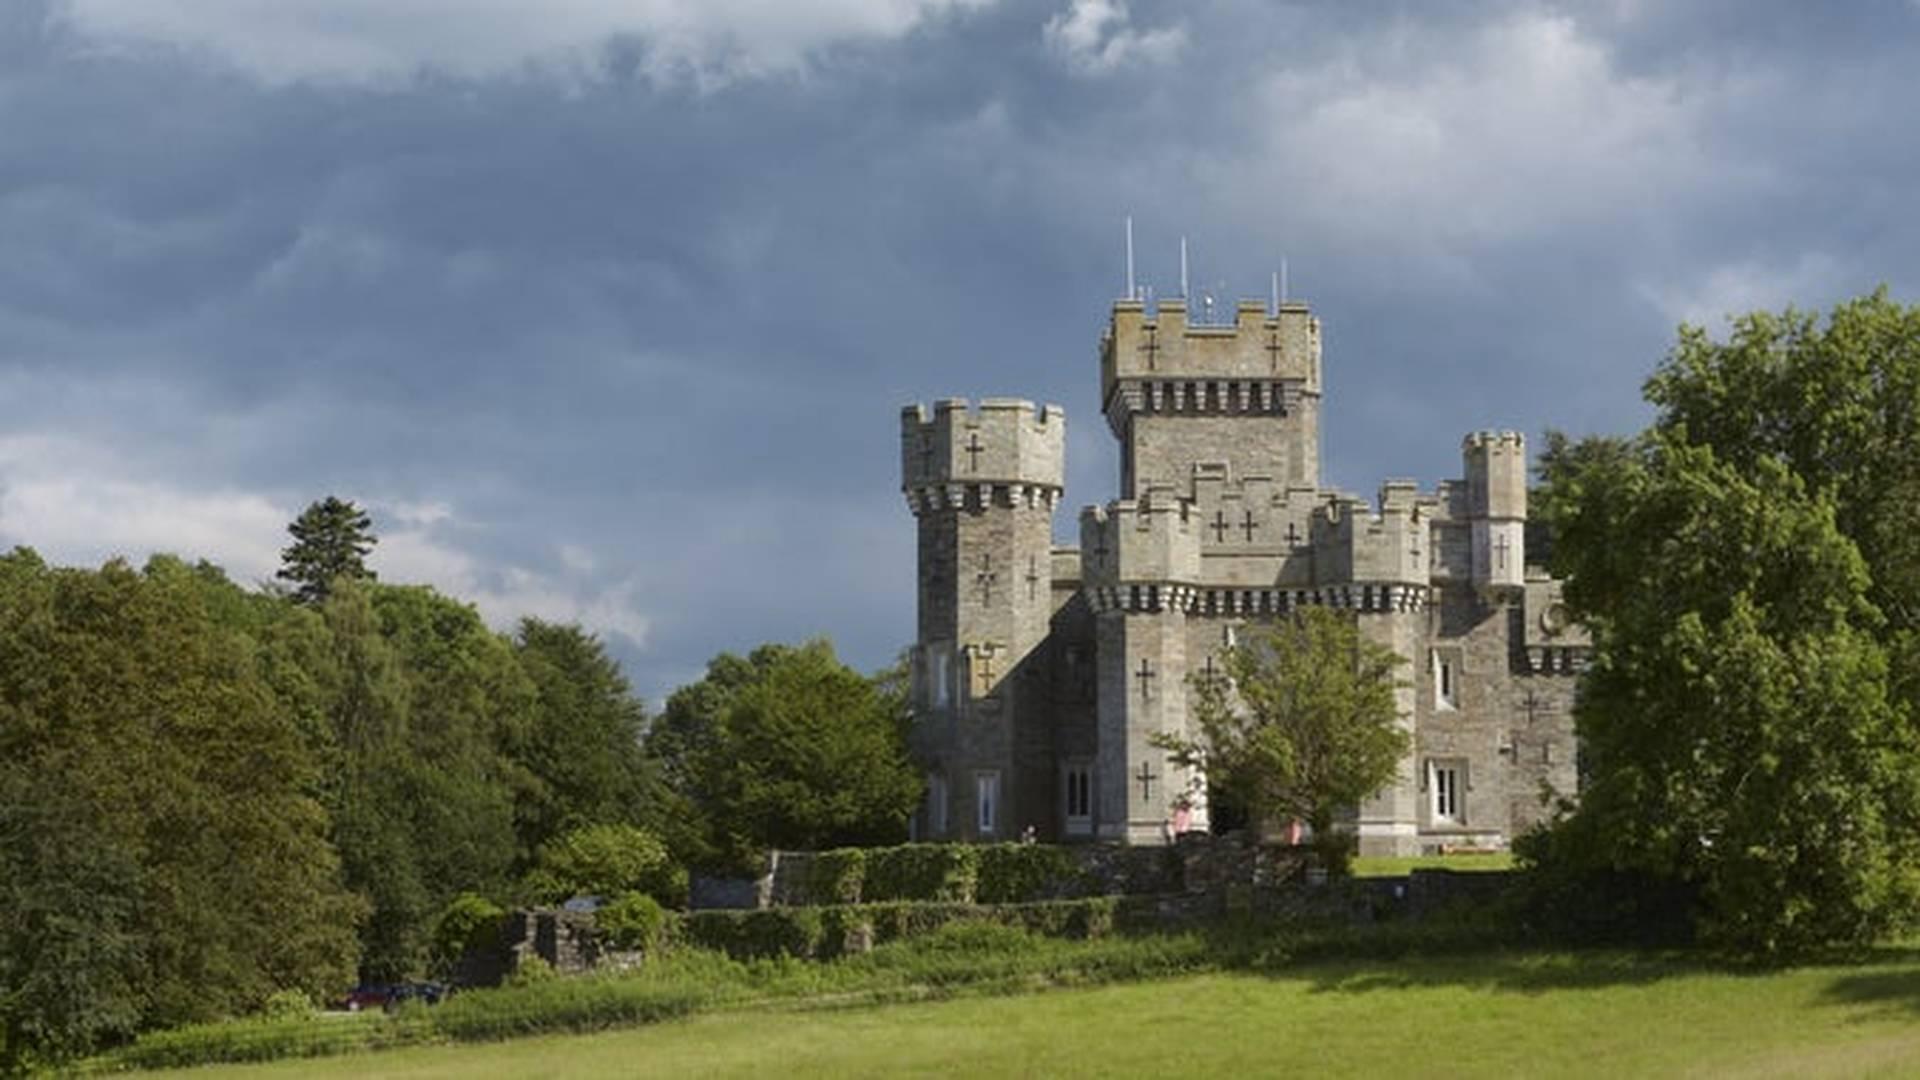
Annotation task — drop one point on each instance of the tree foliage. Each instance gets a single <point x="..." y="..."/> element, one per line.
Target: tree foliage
<point x="1750" y="754"/>
<point x="331" y="540"/>
<point x="581" y="745"/>
<point x="606" y="861"/>
<point x="785" y="748"/>
<point x="166" y="860"/>
<point x="1303" y="725"/>
<point x="209" y="796"/>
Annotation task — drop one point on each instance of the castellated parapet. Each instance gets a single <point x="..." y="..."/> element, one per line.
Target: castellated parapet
<point x="1005" y="442"/>
<point x="1155" y="544"/>
<point x="1352" y="542"/>
<point x="1244" y="394"/>
<point x="1257" y="345"/>
<point x="1496" y="464"/>
<point x="1496" y="467"/>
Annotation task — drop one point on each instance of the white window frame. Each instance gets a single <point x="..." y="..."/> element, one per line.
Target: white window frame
<point x="986" y="803"/>
<point x="1077" y="787"/>
<point x="1447" y="791"/>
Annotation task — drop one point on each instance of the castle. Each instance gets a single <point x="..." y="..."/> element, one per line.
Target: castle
<point x="1041" y="673"/>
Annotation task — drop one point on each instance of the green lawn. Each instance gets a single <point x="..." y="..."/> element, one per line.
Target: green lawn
<point x="1396" y="865"/>
<point x="1500" y="1014"/>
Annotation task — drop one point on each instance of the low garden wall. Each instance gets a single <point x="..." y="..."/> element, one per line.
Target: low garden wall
<point x="833" y="903"/>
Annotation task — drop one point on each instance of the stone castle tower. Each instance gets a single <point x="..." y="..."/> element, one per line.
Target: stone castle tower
<point x="1042" y="673"/>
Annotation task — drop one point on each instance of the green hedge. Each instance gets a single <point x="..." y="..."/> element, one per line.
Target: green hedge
<point x="825" y="932"/>
<point x="1022" y="873"/>
<point x="787" y="931"/>
<point x="936" y="872"/>
<point x="557" y="1005"/>
<point x="837" y="876"/>
<point x="950" y="873"/>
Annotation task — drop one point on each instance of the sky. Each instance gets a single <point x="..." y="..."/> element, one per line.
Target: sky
<point x="605" y="309"/>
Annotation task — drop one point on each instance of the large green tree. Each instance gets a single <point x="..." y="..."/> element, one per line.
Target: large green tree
<point x="1302" y="725"/>
<point x="165" y="856"/>
<point x="331" y="540"/>
<point x="787" y="748"/>
<point x="425" y="705"/>
<point x="1752" y="759"/>
<point x="581" y="746"/>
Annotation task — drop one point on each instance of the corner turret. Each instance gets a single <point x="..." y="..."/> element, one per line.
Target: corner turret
<point x="1496" y="468"/>
<point x="983" y="483"/>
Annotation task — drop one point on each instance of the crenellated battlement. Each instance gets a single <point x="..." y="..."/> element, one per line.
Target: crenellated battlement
<point x="1246" y="392"/>
<point x="1388" y="543"/>
<point x="1494" y="441"/>
<point x="1496" y="467"/>
<point x="1258" y="349"/>
<point x="1003" y="446"/>
<point x="1156" y="540"/>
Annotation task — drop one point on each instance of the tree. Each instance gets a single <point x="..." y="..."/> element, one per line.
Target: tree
<point x="1303" y="726"/>
<point x="606" y="861"/>
<point x="581" y="745"/>
<point x="425" y="700"/>
<point x="1750" y="569"/>
<point x="788" y="748"/>
<point x="331" y="539"/>
<point x="1837" y="403"/>
<point x="1746" y="760"/>
<point x="163" y="854"/>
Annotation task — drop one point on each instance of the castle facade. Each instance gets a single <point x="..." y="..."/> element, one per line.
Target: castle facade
<point x="1042" y="673"/>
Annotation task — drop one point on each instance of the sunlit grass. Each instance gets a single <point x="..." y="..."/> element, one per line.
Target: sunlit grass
<point x="1395" y="865"/>
<point x="1537" y="1014"/>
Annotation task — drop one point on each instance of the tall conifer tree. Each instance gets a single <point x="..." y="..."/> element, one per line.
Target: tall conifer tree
<point x="331" y="539"/>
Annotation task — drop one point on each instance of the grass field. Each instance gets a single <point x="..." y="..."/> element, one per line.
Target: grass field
<point x="1500" y="1014"/>
<point x="1396" y="865"/>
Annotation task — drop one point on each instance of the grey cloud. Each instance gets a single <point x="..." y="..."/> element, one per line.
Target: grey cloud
<point x="669" y="329"/>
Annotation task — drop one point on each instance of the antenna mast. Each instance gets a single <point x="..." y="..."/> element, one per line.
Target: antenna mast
<point x="1133" y="293"/>
<point x="1183" y="268"/>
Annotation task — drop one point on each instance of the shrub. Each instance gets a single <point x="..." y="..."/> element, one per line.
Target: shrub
<point x="845" y="929"/>
<point x="1089" y="918"/>
<point x="531" y="971"/>
<point x="632" y="920"/>
<point x="586" y="1004"/>
<point x="607" y="860"/>
<point x="471" y="921"/>
<point x="266" y="1039"/>
<point x="757" y="934"/>
<point x="287" y="1005"/>
<point x="826" y="932"/>
<point x="837" y="876"/>
<point x="904" y="919"/>
<point x="947" y="872"/>
<point x="1019" y="873"/>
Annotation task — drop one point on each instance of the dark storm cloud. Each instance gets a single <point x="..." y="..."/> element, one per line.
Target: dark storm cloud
<point x="624" y="348"/>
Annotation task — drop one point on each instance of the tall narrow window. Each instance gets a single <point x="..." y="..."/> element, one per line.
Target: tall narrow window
<point x="1446" y="679"/>
<point x="937" y="804"/>
<point x="986" y="802"/>
<point x="941" y="674"/>
<point x="1079" y="785"/>
<point x="1443" y="787"/>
